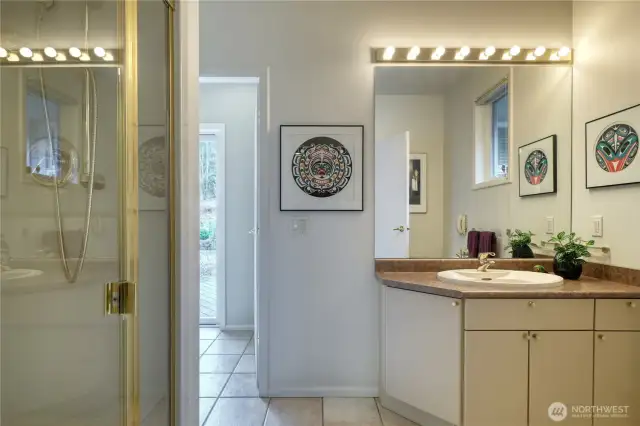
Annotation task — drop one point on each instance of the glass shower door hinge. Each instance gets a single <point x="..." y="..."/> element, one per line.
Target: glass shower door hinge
<point x="120" y="298"/>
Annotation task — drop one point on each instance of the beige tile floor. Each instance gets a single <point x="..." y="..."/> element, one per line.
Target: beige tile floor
<point x="229" y="395"/>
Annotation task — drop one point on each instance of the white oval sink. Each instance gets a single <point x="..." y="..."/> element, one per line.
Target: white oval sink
<point x="16" y="274"/>
<point x="501" y="278"/>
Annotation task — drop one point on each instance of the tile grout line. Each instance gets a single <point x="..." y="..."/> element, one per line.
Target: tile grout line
<point x="375" y="401"/>
<point x="322" y="410"/>
<point x="266" y="413"/>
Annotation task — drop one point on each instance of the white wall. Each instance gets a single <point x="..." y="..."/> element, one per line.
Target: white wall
<point x="322" y="294"/>
<point x="234" y="105"/>
<point x="606" y="70"/>
<point x="423" y="116"/>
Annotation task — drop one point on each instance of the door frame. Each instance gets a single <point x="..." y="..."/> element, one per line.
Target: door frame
<point x="218" y="129"/>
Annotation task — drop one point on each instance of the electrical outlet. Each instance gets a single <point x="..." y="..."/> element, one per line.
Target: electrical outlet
<point x="550" y="225"/>
<point x="596" y="223"/>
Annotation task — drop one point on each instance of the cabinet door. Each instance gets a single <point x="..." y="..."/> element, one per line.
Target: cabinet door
<point x="495" y="378"/>
<point x="560" y="370"/>
<point x="423" y="350"/>
<point x="617" y="377"/>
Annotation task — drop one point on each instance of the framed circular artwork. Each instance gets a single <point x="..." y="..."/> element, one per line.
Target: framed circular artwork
<point x="537" y="167"/>
<point x="321" y="168"/>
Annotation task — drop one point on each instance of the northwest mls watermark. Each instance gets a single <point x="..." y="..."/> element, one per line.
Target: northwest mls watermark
<point x="559" y="412"/>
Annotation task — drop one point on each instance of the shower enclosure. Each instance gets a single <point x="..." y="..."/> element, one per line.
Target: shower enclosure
<point x="84" y="215"/>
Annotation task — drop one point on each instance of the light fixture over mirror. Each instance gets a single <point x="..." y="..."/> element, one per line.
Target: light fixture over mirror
<point x="486" y="55"/>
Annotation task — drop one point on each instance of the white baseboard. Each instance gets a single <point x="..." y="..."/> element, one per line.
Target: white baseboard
<point x="231" y="327"/>
<point x="356" y="392"/>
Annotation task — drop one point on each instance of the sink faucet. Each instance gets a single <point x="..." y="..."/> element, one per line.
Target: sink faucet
<point x="485" y="262"/>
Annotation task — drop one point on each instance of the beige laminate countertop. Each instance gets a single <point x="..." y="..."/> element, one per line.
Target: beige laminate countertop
<point x="585" y="288"/>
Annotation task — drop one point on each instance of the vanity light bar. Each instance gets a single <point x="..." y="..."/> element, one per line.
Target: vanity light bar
<point x="23" y="55"/>
<point x="465" y="54"/>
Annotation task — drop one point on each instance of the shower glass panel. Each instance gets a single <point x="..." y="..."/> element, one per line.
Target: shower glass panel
<point x="64" y="145"/>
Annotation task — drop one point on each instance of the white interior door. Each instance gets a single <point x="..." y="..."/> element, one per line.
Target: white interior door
<point x="392" y="197"/>
<point x="256" y="245"/>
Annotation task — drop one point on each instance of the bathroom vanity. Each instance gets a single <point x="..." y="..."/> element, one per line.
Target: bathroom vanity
<point x="474" y="356"/>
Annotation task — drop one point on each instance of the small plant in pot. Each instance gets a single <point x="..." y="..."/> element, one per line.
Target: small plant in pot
<point x="519" y="244"/>
<point x="571" y="252"/>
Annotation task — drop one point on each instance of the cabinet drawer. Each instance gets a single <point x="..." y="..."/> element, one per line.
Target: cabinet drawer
<point x="528" y="314"/>
<point x="618" y="314"/>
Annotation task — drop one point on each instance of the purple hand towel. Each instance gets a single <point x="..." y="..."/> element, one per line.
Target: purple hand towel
<point x="473" y="243"/>
<point x="487" y="242"/>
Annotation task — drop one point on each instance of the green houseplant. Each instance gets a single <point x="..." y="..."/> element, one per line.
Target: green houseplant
<point x="519" y="244"/>
<point x="571" y="252"/>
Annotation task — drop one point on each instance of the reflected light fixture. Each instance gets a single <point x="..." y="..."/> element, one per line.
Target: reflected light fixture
<point x="13" y="57"/>
<point x="413" y="53"/>
<point x="99" y="52"/>
<point x="26" y="52"/>
<point x="61" y="57"/>
<point x="464" y="51"/>
<point x="440" y="51"/>
<point x="514" y="51"/>
<point x="489" y="51"/>
<point x="50" y="52"/>
<point x="483" y="56"/>
<point x="564" y="51"/>
<point x="554" y="56"/>
<point x="37" y="57"/>
<point x="531" y="56"/>
<point x="388" y="53"/>
<point x="3" y="52"/>
<point x="75" y="52"/>
<point x="506" y="56"/>
<point x="85" y="57"/>
<point x="539" y="51"/>
<point x="108" y="57"/>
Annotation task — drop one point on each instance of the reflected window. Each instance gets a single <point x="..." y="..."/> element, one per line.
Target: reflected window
<point x="39" y="155"/>
<point x="500" y="140"/>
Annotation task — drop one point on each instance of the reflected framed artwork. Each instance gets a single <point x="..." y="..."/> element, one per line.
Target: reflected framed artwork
<point x="537" y="167"/>
<point x="321" y="167"/>
<point x="417" y="183"/>
<point x="611" y="149"/>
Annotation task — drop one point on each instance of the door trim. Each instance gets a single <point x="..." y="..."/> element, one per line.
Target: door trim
<point x="218" y="129"/>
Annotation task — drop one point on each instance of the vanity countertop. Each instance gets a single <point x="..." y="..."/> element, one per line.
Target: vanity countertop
<point x="585" y="288"/>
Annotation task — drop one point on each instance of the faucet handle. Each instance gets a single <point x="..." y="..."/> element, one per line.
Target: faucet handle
<point x="482" y="257"/>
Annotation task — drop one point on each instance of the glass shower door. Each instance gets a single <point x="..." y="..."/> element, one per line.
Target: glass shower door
<point x="68" y="213"/>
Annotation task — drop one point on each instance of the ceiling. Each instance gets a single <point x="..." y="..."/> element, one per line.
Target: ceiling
<point x="416" y="80"/>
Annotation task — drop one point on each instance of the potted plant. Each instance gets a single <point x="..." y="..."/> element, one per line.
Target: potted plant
<point x="571" y="252"/>
<point x="519" y="244"/>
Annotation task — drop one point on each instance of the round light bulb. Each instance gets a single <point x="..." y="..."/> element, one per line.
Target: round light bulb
<point x="539" y="51"/>
<point x="489" y="51"/>
<point x="514" y="51"/>
<point x="108" y="57"/>
<point x="388" y="53"/>
<point x="37" y="57"/>
<point x="26" y="52"/>
<point x="99" y="52"/>
<point x="13" y="57"/>
<point x="75" y="52"/>
<point x="440" y="51"/>
<point x="61" y="57"/>
<point x="85" y="57"/>
<point x="3" y="52"/>
<point x="564" y="51"/>
<point x="50" y="52"/>
<point x="464" y="50"/>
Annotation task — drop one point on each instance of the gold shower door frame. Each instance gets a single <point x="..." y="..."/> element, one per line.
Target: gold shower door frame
<point x="128" y="200"/>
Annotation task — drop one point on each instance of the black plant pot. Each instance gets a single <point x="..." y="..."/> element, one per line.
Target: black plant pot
<point x="567" y="271"/>
<point x="522" y="252"/>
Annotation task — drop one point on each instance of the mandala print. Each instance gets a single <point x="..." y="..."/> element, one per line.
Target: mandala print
<point x="535" y="167"/>
<point x="616" y="147"/>
<point x="152" y="167"/>
<point x="321" y="167"/>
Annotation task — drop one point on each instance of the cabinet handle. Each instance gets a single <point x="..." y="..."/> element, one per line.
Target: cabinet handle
<point x="535" y="336"/>
<point x="455" y="303"/>
<point x="631" y="304"/>
<point x="532" y="304"/>
<point x="602" y="337"/>
<point x="526" y="336"/>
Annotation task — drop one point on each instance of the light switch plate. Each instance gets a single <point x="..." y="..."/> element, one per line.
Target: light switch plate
<point x="550" y="225"/>
<point x="299" y="225"/>
<point x="596" y="223"/>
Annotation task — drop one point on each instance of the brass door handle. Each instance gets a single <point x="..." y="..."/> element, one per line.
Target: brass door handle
<point x="401" y="228"/>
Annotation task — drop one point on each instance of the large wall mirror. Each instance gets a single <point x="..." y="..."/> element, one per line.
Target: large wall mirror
<point x="468" y="155"/>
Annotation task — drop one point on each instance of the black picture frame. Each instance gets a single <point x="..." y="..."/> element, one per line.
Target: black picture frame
<point x="554" y="174"/>
<point x="586" y="151"/>
<point x="280" y="166"/>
